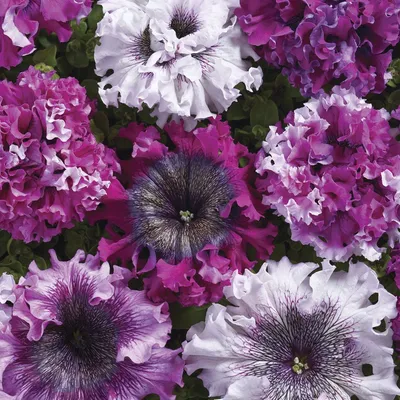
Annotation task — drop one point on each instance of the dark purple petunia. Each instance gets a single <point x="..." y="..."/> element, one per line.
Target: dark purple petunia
<point x="187" y="217"/>
<point x="324" y="41"/>
<point x="79" y="332"/>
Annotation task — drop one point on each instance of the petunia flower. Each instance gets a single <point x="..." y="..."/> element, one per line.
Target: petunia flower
<point x="52" y="170"/>
<point x="187" y="217"/>
<point x="21" y="20"/>
<point x="78" y="332"/>
<point x="333" y="174"/>
<point x="319" y="42"/>
<point x="183" y="57"/>
<point x="288" y="336"/>
<point x="7" y="298"/>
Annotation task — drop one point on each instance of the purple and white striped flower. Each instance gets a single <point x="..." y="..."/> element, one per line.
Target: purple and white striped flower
<point x="183" y="56"/>
<point x="288" y="336"/>
<point x="78" y="332"/>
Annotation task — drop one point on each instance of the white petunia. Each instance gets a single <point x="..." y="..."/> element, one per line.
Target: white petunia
<point x="289" y="336"/>
<point x="7" y="295"/>
<point x="183" y="56"/>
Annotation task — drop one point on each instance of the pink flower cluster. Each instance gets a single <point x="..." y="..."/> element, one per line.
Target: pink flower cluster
<point x="200" y="256"/>
<point x="52" y="169"/>
<point x="21" y="20"/>
<point x="334" y="174"/>
<point x="319" y="41"/>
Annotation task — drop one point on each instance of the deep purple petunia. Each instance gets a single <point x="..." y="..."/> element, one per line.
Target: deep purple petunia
<point x="52" y="169"/>
<point x="21" y="20"/>
<point x="187" y="217"/>
<point x="333" y="173"/>
<point x="78" y="332"/>
<point x="321" y="41"/>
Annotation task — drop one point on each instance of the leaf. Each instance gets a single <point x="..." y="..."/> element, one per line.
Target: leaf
<point x="76" y="54"/>
<point x="46" y="56"/>
<point x="97" y="132"/>
<point x="79" y="30"/>
<point x="41" y="262"/>
<point x="91" y="87"/>
<point x="4" y="238"/>
<point x="101" y="121"/>
<point x="12" y="266"/>
<point x="185" y="317"/>
<point x="95" y="16"/>
<point x="64" y="67"/>
<point x="264" y="113"/>
<point x="235" y="112"/>
<point x="75" y="241"/>
<point x="193" y="389"/>
<point x="394" y="97"/>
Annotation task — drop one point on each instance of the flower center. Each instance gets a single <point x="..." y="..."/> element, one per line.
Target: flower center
<point x="300" y="365"/>
<point x="141" y="49"/>
<point x="176" y="206"/>
<point x="186" y="216"/>
<point x="303" y="353"/>
<point x="80" y="353"/>
<point x="184" y="22"/>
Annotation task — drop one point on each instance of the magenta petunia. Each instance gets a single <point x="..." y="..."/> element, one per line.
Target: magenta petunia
<point x="187" y="218"/>
<point x="21" y="20"/>
<point x="396" y="113"/>
<point x="320" y="41"/>
<point x="52" y="170"/>
<point x="334" y="174"/>
<point x="78" y="332"/>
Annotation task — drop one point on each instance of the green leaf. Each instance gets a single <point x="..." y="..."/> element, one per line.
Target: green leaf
<point x="235" y="112"/>
<point x="264" y="113"/>
<point x="79" y="30"/>
<point x="95" y="16"/>
<point x="101" y="121"/>
<point x="41" y="262"/>
<point x="46" y="56"/>
<point x="193" y="389"/>
<point x="76" y="54"/>
<point x="185" y="317"/>
<point x="90" y="46"/>
<point x="75" y="241"/>
<point x="394" y="98"/>
<point x="12" y="266"/>
<point x="91" y="87"/>
<point x="4" y="238"/>
<point x="64" y="67"/>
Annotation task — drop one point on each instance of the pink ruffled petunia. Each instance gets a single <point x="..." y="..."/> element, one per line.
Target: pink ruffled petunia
<point x="52" y="170"/>
<point x="78" y="332"/>
<point x="21" y="20"/>
<point x="187" y="218"/>
<point x="333" y="173"/>
<point x="318" y="41"/>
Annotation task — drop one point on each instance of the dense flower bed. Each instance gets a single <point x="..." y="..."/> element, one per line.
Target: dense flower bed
<point x="199" y="199"/>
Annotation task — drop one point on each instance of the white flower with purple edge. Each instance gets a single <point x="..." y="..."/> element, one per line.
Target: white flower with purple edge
<point x="184" y="57"/>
